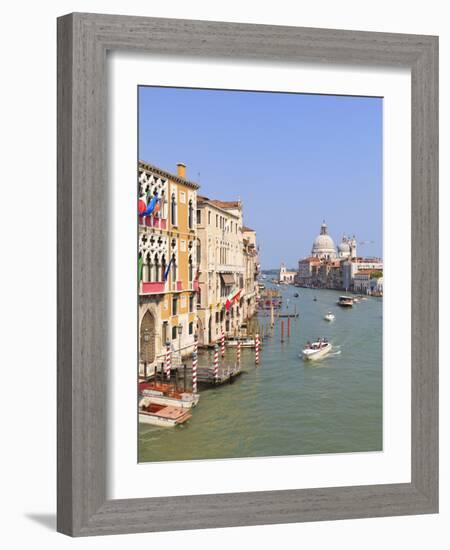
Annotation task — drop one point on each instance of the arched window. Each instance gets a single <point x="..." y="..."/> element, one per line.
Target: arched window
<point x="147" y="271"/>
<point x="157" y="269"/>
<point x="190" y="215"/>
<point x="173" y="209"/>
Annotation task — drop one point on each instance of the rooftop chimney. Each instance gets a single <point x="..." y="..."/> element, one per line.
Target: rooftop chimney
<point x="181" y="170"/>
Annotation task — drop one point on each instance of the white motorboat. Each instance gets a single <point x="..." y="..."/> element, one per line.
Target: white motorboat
<point x="245" y="342"/>
<point x="329" y="316"/>
<point x="316" y="350"/>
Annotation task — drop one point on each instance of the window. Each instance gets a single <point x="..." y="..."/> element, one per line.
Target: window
<point x="191" y="303"/>
<point x="199" y="217"/>
<point x="173" y="209"/>
<point x="191" y="270"/>
<point x="199" y="252"/>
<point x="174" y="333"/>
<point x="217" y="220"/>
<point x="175" y="305"/>
<point x="191" y="328"/>
<point x="190" y="215"/>
<point x="174" y="269"/>
<point x="209" y="217"/>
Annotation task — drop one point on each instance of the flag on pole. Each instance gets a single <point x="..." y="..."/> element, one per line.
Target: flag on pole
<point x="142" y="204"/>
<point x="151" y="206"/>
<point x="140" y="265"/>
<point x="232" y="297"/>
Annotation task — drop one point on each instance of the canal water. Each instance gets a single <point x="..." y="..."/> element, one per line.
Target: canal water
<point x="287" y="406"/>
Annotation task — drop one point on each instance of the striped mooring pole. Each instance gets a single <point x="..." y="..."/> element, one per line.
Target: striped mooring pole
<point x="222" y="344"/>
<point x="168" y="361"/>
<point x="216" y="363"/>
<point x="257" y="349"/>
<point x="195" y="344"/>
<point x="194" y="372"/>
<point x="238" y="353"/>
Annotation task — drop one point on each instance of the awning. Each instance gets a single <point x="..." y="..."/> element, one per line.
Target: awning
<point x="227" y="278"/>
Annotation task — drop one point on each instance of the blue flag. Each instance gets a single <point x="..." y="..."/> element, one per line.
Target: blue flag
<point x="167" y="271"/>
<point x="151" y="206"/>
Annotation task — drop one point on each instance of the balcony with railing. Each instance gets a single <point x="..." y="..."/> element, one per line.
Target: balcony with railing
<point x="154" y="287"/>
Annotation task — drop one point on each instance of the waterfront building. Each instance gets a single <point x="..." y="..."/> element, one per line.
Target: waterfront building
<point x="252" y="271"/>
<point x="367" y="281"/>
<point x="167" y="264"/>
<point x="331" y="268"/>
<point x="353" y="265"/>
<point x="228" y="268"/>
<point x="306" y="269"/>
<point x="286" y="276"/>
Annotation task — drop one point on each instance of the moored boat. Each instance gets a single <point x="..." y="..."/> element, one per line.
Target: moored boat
<point x="316" y="350"/>
<point x="329" y="316"/>
<point x="166" y="394"/>
<point x="161" y="415"/>
<point x="245" y="342"/>
<point x="345" y="301"/>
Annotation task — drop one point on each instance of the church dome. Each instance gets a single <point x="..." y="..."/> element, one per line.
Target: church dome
<point x="323" y="245"/>
<point x="344" y="247"/>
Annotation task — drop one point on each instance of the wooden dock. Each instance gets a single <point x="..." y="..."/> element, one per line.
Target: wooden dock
<point x="205" y="374"/>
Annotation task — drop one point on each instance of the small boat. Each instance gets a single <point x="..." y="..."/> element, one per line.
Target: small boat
<point x="329" y="316"/>
<point x="314" y="299"/>
<point x="296" y="295"/>
<point x="345" y="301"/>
<point x="316" y="350"/>
<point x="165" y="394"/>
<point x="161" y="415"/>
<point x="245" y="342"/>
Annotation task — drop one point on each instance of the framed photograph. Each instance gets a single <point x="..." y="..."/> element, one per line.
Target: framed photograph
<point x="257" y="341"/>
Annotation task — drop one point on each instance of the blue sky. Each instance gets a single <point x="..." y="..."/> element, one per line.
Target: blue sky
<point x="293" y="160"/>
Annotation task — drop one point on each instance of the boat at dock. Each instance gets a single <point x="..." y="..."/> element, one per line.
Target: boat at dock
<point x="316" y="350"/>
<point x="345" y="301"/>
<point x="161" y="415"/>
<point x="245" y="342"/>
<point x="329" y="316"/>
<point x="166" y="394"/>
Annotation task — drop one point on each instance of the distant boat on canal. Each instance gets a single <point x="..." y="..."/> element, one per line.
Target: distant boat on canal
<point x="345" y="301"/>
<point x="329" y="316"/>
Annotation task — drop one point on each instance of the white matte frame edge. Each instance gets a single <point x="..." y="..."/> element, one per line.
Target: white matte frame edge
<point x="83" y="41"/>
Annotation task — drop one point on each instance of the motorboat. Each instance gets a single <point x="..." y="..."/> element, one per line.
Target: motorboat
<point x="296" y="295"/>
<point x="245" y="342"/>
<point x="329" y="316"/>
<point x="316" y="350"/>
<point x="345" y="301"/>
<point x="165" y="416"/>
<point x="314" y="299"/>
<point x="166" y="394"/>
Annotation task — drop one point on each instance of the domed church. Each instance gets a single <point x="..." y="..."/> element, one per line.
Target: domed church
<point x="323" y="245"/>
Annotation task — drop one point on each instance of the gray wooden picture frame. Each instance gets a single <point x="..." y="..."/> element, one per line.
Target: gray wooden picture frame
<point x="83" y="42"/>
